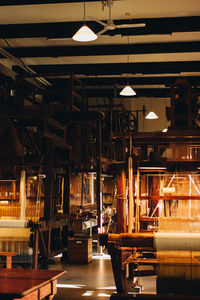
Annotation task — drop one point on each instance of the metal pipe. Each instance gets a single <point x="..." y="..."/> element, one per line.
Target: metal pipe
<point x="23" y="66"/>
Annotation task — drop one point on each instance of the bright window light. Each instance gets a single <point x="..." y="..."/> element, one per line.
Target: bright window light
<point x="104" y="256"/>
<point x="88" y="293"/>
<point x="107" y="288"/>
<point x="69" y="286"/>
<point x="103" y="295"/>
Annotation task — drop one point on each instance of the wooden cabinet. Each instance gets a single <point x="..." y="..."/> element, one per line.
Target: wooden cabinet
<point x="80" y="250"/>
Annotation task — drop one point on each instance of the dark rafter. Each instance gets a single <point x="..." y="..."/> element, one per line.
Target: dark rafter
<point x="67" y="29"/>
<point x="116" y="69"/>
<point x="32" y="2"/>
<point x="58" y="51"/>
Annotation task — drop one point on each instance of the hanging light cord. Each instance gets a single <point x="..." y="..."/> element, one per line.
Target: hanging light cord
<point x="84" y="14"/>
<point x="128" y="50"/>
<point x="128" y="60"/>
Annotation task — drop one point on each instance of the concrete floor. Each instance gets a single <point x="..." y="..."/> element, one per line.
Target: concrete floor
<point x="92" y="281"/>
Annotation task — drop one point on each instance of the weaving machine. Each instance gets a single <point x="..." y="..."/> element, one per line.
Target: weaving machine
<point x="162" y="226"/>
<point x="165" y="235"/>
<point x="33" y="196"/>
<point x="16" y="209"/>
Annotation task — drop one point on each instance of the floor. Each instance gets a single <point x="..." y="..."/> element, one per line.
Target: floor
<point x="93" y="280"/>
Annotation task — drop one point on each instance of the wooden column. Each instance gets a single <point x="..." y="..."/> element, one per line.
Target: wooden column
<point x="98" y="179"/>
<point x="130" y="191"/>
<point x="121" y="200"/>
<point x="35" y="248"/>
<point x="49" y="187"/>
<point x="66" y="196"/>
<point x="48" y="204"/>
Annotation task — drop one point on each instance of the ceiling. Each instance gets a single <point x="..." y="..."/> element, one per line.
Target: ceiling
<point x="38" y="34"/>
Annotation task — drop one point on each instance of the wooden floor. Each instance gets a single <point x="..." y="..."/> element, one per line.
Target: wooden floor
<point x="95" y="281"/>
<point x="92" y="281"/>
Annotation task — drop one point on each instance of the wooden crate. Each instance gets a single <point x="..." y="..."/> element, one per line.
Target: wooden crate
<point x="76" y="225"/>
<point x="80" y="250"/>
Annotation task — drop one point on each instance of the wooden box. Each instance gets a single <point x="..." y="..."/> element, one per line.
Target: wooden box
<point x="76" y="225"/>
<point x="80" y="250"/>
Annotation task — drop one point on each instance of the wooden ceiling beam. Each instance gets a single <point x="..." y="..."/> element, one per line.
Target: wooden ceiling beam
<point x="67" y="29"/>
<point x="32" y="2"/>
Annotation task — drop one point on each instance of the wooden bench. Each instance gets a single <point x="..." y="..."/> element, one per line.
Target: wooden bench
<point x="9" y="256"/>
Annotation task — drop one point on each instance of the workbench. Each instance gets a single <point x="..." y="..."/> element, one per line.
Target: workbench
<point x="26" y="284"/>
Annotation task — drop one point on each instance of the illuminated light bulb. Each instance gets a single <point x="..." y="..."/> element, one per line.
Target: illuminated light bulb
<point x="151" y="115"/>
<point x="127" y="91"/>
<point x="84" y="34"/>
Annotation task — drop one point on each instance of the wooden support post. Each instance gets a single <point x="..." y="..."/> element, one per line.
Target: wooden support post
<point x="49" y="201"/>
<point x="121" y="200"/>
<point x="35" y="248"/>
<point x="130" y="191"/>
<point x="98" y="183"/>
<point x="48" y="205"/>
<point x="137" y="212"/>
<point x="66" y="196"/>
<point x="82" y="187"/>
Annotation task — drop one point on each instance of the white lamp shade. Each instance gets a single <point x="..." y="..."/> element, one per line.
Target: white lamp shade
<point x="151" y="115"/>
<point x="127" y="91"/>
<point x="84" y="34"/>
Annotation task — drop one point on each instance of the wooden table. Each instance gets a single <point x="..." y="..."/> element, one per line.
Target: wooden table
<point x="28" y="284"/>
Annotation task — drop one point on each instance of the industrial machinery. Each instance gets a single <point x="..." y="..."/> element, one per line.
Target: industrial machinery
<point x="34" y="175"/>
<point x="161" y="227"/>
<point x="33" y="186"/>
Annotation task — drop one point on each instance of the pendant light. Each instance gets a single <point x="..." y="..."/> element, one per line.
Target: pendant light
<point x="151" y="116"/>
<point x="127" y="90"/>
<point x="84" y="34"/>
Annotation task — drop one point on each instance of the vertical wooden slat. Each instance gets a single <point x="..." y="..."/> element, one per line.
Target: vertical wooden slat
<point x="130" y="195"/>
<point x="121" y="200"/>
